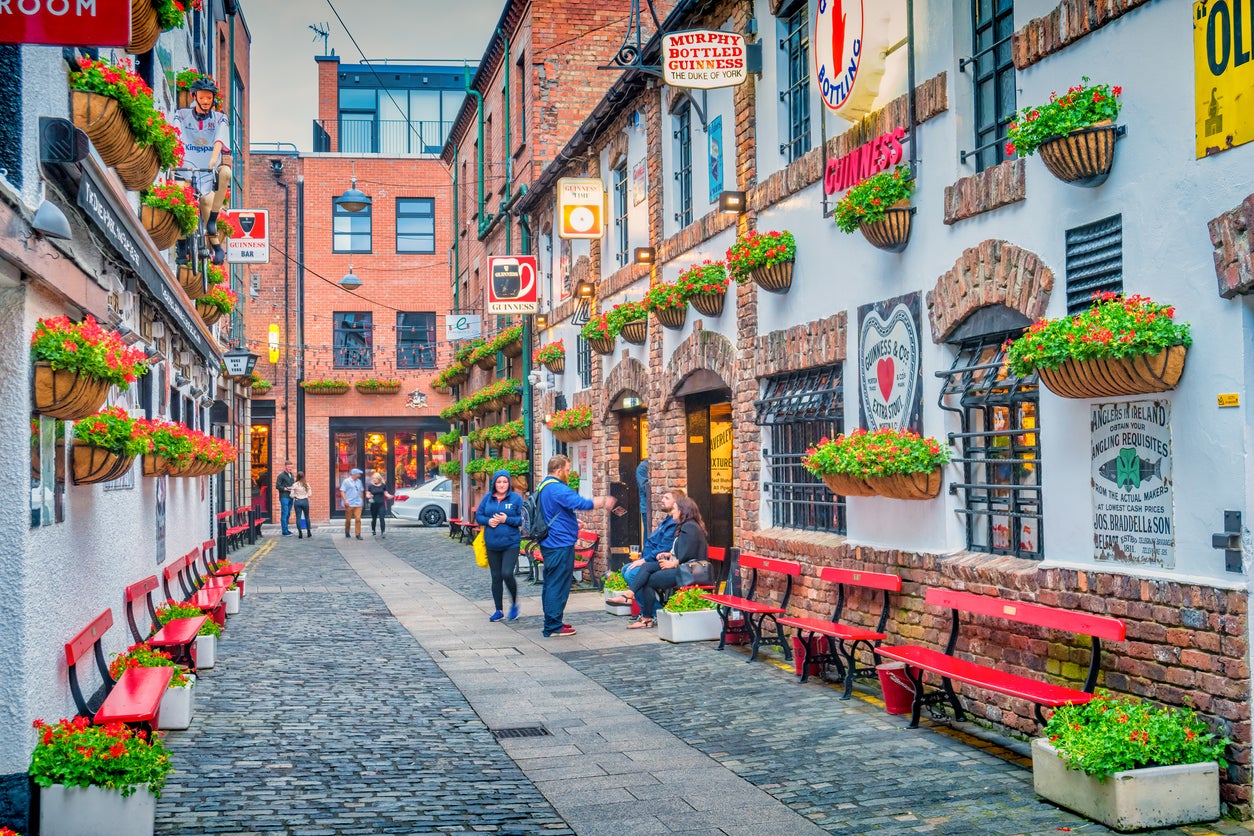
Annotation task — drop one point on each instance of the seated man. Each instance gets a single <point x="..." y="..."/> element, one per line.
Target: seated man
<point x="206" y="154"/>
<point x="660" y="540"/>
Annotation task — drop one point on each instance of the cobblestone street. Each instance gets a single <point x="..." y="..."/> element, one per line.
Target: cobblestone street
<point x="359" y="688"/>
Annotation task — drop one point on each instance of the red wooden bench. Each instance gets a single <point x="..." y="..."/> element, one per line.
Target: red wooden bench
<point x="134" y="699"/>
<point x="717" y="555"/>
<point x="208" y="601"/>
<point x="585" y="549"/>
<point x="756" y="612"/>
<point x="232" y="570"/>
<point x="919" y="660"/>
<point x="178" y="637"/>
<point x="842" y="640"/>
<point x="238" y="527"/>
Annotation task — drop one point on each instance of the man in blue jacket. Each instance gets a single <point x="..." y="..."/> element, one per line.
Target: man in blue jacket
<point x="558" y="503"/>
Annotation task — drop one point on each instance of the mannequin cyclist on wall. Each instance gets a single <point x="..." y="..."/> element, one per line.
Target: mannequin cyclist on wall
<point x="207" y="148"/>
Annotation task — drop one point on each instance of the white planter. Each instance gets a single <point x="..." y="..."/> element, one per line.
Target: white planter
<point x="206" y="652"/>
<point x="1161" y="796"/>
<point x="91" y="811"/>
<point x="699" y="626"/>
<point x="231" y="599"/>
<point x="612" y="609"/>
<point x="176" y="706"/>
<point x="239" y="581"/>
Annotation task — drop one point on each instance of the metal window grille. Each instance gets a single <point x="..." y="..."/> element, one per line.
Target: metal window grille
<point x="1094" y="261"/>
<point x="801" y="409"/>
<point x="994" y="79"/>
<point x="354" y="339"/>
<point x="620" y="213"/>
<point x="350" y="231"/>
<point x="683" y="165"/>
<point x="415" y="340"/>
<point x="583" y="361"/>
<point x="999" y="448"/>
<point x="795" y="45"/>
<point x="415" y="225"/>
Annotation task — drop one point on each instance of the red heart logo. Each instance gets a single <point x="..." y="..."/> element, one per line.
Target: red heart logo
<point x="885" y="371"/>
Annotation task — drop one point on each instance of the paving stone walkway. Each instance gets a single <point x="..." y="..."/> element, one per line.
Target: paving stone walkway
<point x="359" y="689"/>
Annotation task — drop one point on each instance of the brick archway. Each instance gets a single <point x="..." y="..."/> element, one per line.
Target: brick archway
<point x="702" y="350"/>
<point x="629" y="375"/>
<point x="992" y="272"/>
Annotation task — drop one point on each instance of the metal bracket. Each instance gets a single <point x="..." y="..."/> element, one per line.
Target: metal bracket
<point x="1230" y="541"/>
<point x="630" y="55"/>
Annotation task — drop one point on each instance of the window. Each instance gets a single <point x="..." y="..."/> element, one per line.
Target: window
<point x="994" y="79"/>
<point x="683" y="165"/>
<point x="350" y="231"/>
<point x="354" y="340"/>
<point x="583" y="361"/>
<point x="620" y="213"/>
<point x="999" y="448"/>
<point x="521" y="96"/>
<point x="795" y="48"/>
<point x="415" y="341"/>
<point x="800" y="409"/>
<point x="1094" y="261"/>
<point x="237" y="138"/>
<point x="415" y="225"/>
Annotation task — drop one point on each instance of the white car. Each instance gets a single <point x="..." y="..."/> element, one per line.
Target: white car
<point x="427" y="504"/>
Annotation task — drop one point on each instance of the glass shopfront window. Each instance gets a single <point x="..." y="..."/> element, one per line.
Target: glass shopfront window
<point x="405" y="451"/>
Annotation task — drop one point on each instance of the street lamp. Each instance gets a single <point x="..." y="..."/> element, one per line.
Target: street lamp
<point x="350" y="280"/>
<point x="353" y="200"/>
<point x="239" y="362"/>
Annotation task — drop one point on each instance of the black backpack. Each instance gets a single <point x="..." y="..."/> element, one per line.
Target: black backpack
<point x="534" y="525"/>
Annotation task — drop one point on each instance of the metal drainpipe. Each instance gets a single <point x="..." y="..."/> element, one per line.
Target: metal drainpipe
<point x="457" y="229"/>
<point x="300" y="320"/>
<point x="524" y="234"/>
<point x="287" y="306"/>
<point x="471" y="91"/>
<point x="509" y="155"/>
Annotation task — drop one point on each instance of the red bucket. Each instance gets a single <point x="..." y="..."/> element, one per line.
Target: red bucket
<point x="816" y="647"/>
<point x="897" y="687"/>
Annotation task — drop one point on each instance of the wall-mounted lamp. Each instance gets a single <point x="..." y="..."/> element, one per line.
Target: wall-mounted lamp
<point x="239" y="362"/>
<point x="733" y="203"/>
<point x="181" y="380"/>
<point x="645" y="255"/>
<point x="585" y="290"/>
<point x="542" y="320"/>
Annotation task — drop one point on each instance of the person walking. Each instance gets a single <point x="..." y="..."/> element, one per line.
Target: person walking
<point x="379" y="498"/>
<point x="500" y="513"/>
<point x="284" y="486"/>
<point x="558" y="503"/>
<point x="661" y="539"/>
<point x="642" y="490"/>
<point x="300" y="503"/>
<point x="352" y="494"/>
<point x="690" y="544"/>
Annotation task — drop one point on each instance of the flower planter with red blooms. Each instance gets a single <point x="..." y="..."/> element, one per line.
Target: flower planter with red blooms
<point x="218" y="302"/>
<point x="629" y="320"/>
<point x="668" y="303"/>
<point x="169" y="211"/>
<point x="898" y="464"/>
<point x="880" y="207"/>
<point x="1075" y="133"/>
<point x="377" y="386"/>
<point x="105" y="446"/>
<point x="1119" y="346"/>
<point x="168" y="446"/>
<point x="599" y="333"/>
<point x="552" y="356"/>
<point x="97" y="779"/>
<point x="454" y="375"/>
<point x="76" y="363"/>
<point x="766" y="258"/>
<point x="509" y="341"/>
<point x="115" y="108"/>
<point x="324" y="387"/>
<point x="574" y="424"/>
<point x="178" y="697"/>
<point x="705" y="285"/>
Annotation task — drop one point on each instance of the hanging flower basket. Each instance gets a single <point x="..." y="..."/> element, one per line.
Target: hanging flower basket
<point x="513" y="348"/>
<point x="1075" y="132"/>
<point x="1082" y="157"/>
<point x="843" y="485"/>
<point x="378" y="387"/>
<point x="139" y="167"/>
<point x="880" y="207"/>
<point x="145" y="27"/>
<point x="1101" y="377"/>
<point x="890" y="233"/>
<point x="102" y="119"/>
<point x="571" y="434"/>
<point x="907" y="485"/>
<point x="91" y="465"/>
<point x="669" y="303"/>
<point x="154" y="465"/>
<point x="442" y="388"/>
<point x="704" y="285"/>
<point x="161" y="226"/>
<point x="191" y="280"/>
<point x="324" y="387"/>
<point x="518" y="444"/>
<point x="552" y="356"/>
<point x="887" y="462"/>
<point x="459" y="378"/>
<point x="556" y="365"/>
<point x="710" y="304"/>
<point x="672" y="318"/>
<point x="602" y="345"/>
<point x="209" y="313"/>
<point x="775" y="278"/>
<point x="65" y="394"/>
<point x="636" y="333"/>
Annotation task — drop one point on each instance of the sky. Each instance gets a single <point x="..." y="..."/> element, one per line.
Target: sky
<point x="284" y="74"/>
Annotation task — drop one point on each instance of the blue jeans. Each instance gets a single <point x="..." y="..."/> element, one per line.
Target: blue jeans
<point x="559" y="571"/>
<point x="285" y="511"/>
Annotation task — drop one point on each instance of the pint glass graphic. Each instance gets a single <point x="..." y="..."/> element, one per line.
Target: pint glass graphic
<point x="511" y="279"/>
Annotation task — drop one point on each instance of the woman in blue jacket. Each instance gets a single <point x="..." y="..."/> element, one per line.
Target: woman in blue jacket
<point x="500" y="514"/>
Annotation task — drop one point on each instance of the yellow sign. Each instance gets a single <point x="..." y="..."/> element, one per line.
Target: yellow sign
<point x="274" y="343"/>
<point x="1223" y="74"/>
<point x="580" y="207"/>
<point x="1230" y="399"/>
<point x="720" y="456"/>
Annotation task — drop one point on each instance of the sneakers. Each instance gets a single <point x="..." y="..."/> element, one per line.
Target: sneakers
<point x="513" y="612"/>
<point x="358" y="536"/>
<point x="287" y="534"/>
<point x="566" y="630"/>
<point x="347" y="536"/>
<point x="496" y="616"/>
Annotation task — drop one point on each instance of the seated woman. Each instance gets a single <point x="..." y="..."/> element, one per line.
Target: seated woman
<point x="690" y="544"/>
<point x="660" y="540"/>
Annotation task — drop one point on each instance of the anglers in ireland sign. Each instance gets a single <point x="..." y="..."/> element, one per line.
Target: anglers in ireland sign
<point x="1131" y="479"/>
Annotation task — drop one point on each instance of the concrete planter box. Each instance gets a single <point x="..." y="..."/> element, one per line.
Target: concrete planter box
<point x="90" y="811"/>
<point x="206" y="651"/>
<point x="231" y="599"/>
<point x="1161" y="796"/>
<point x="176" y="706"/>
<point x="624" y="609"/>
<point x="699" y="626"/>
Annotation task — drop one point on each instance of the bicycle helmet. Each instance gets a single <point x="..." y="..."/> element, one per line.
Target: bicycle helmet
<point x="204" y="83"/>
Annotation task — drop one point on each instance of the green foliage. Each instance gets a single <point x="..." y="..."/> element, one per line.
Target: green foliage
<point x="171" y="14"/>
<point x="870" y="200"/>
<point x="75" y="753"/>
<point x="509" y="335"/>
<point x="142" y="656"/>
<point x="445" y="379"/>
<point x="571" y="419"/>
<point x="462" y="355"/>
<point x="1110" y="734"/>
<point x="449" y="439"/>
<point x="688" y="599"/>
<point x="499" y="433"/>
<point x="551" y="352"/>
<point x="598" y="327"/>
<point x="1082" y="106"/>
<point x="572" y="481"/>
<point x="614" y="580"/>
<point x="178" y="199"/>
<point x="86" y="348"/>
<point x="452" y="470"/>
<point x="372" y="384"/>
<point x="1113" y="327"/>
<point x="625" y="312"/>
<point x="708" y="277"/>
<point x="134" y="97"/>
<point x="114" y="430"/>
<point x="663" y="295"/>
<point x="759" y="249"/>
<point x="172" y="610"/>
<point x="324" y="384"/>
<point x="885" y="452"/>
<point x="221" y="297"/>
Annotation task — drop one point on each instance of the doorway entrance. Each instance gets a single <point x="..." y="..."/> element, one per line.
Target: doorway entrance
<point x="405" y="451"/>
<point x="261" y="470"/>
<point x="630" y="528"/>
<point x="710" y="474"/>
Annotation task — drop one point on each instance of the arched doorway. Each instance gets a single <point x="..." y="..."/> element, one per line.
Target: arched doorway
<point x="629" y="529"/>
<point x="708" y="422"/>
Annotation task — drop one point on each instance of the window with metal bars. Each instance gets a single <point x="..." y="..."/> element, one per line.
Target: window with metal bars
<point x="1094" y="261"/>
<point x="620" y="213"/>
<point x="353" y="339"/>
<point x="583" y="361"/>
<point x="999" y="448"/>
<point x="683" y="165"/>
<point x="993" y="76"/>
<point x="794" y="46"/>
<point x="799" y="410"/>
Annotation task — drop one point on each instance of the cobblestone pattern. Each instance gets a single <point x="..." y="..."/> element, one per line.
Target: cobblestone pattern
<point x="453" y="566"/>
<point x="324" y="716"/>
